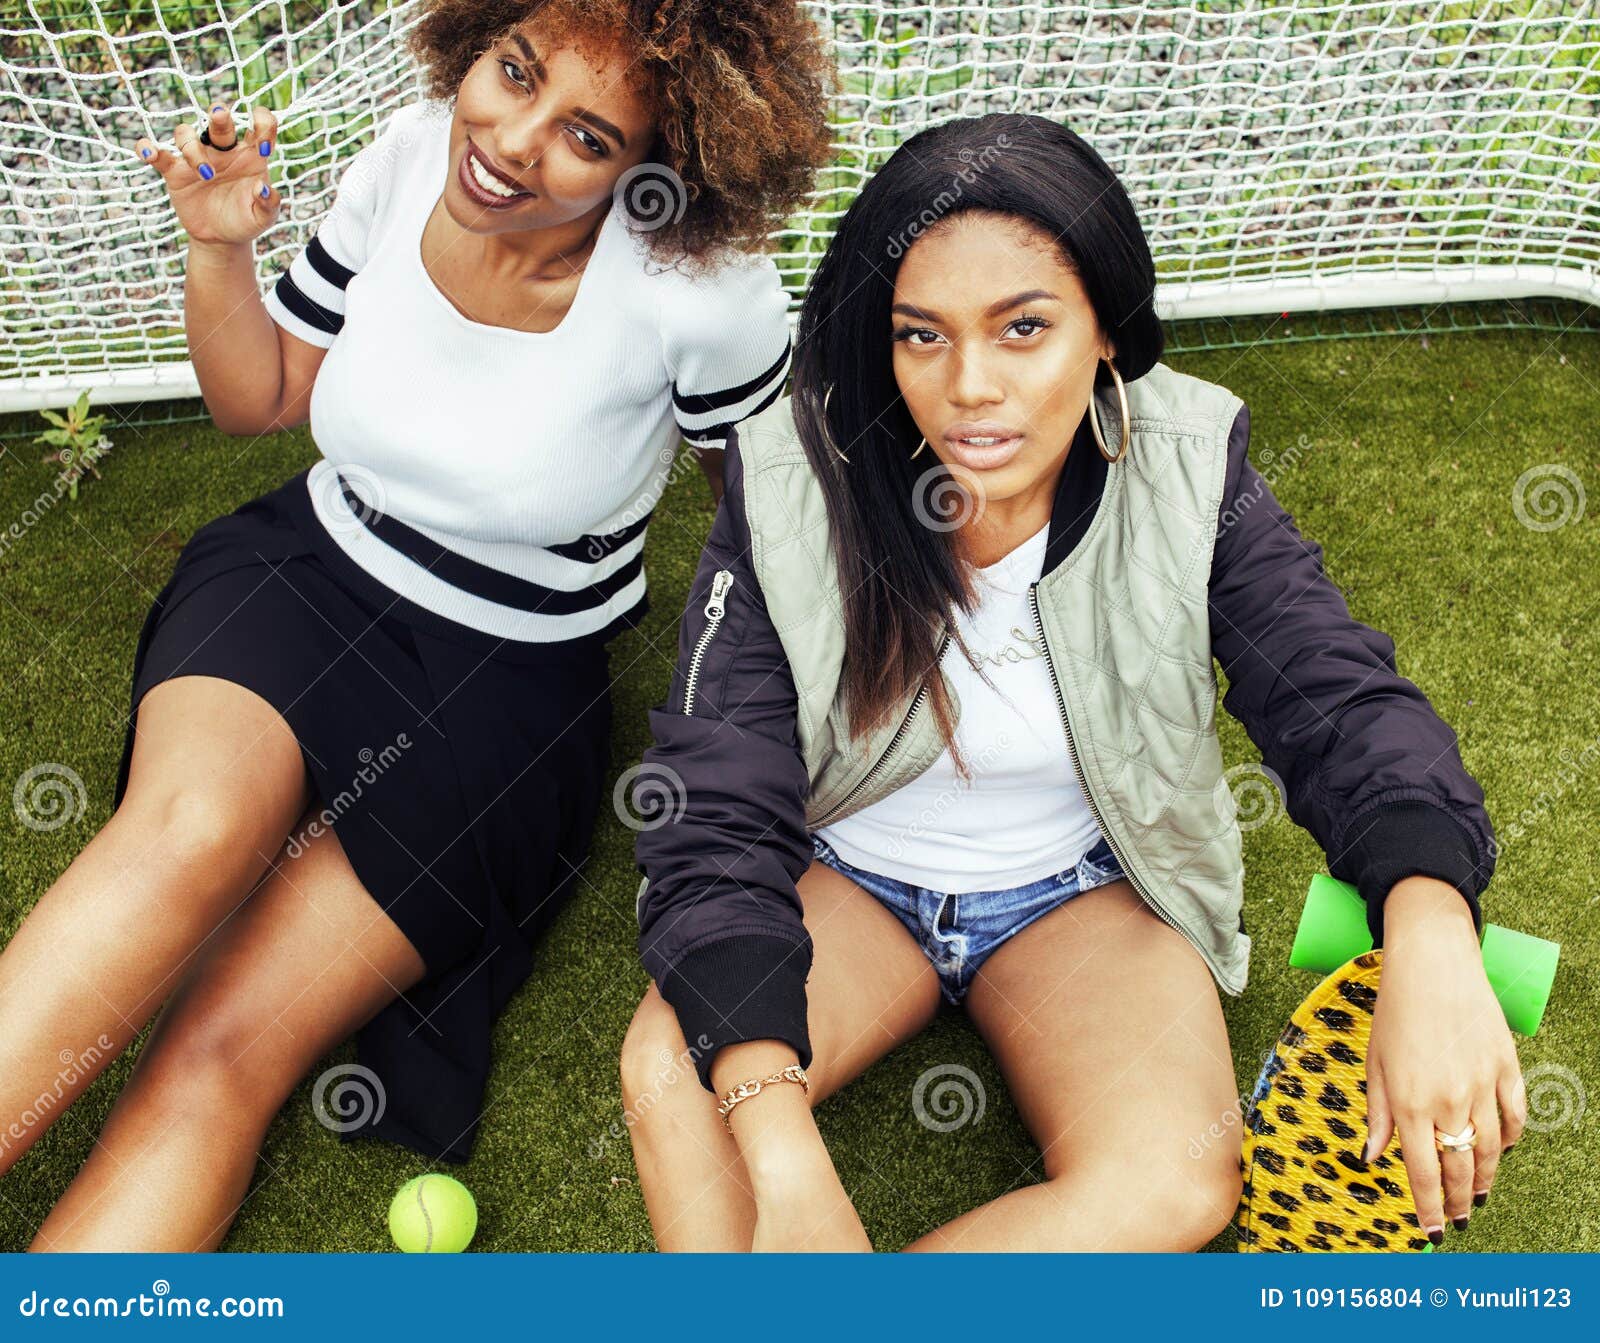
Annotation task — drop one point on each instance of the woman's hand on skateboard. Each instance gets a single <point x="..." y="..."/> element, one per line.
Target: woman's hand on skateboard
<point x="1441" y="1054"/>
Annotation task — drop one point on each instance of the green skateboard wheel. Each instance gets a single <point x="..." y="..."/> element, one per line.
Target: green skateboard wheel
<point x="1333" y="929"/>
<point x="1521" y="971"/>
<point x="1333" y="926"/>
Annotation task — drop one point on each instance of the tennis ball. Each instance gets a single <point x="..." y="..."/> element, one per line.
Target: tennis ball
<point x="433" y="1214"/>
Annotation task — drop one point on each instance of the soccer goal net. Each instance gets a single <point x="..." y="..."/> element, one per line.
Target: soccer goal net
<point x="1290" y="156"/>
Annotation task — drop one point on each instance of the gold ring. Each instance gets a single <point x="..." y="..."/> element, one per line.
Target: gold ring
<point x="1464" y="1141"/>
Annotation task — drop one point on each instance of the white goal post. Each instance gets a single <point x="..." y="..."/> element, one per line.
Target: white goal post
<point x="1290" y="156"/>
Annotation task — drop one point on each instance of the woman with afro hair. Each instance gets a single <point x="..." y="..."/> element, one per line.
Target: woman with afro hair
<point x="369" y="723"/>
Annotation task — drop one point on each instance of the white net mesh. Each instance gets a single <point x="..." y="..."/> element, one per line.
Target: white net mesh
<point x="1289" y="156"/>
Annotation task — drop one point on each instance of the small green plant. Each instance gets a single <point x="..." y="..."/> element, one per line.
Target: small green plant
<point x="77" y="441"/>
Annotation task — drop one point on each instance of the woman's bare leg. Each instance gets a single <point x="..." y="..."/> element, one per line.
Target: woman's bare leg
<point x="215" y="782"/>
<point x="307" y="960"/>
<point x="1108" y="1028"/>
<point x="870" y="989"/>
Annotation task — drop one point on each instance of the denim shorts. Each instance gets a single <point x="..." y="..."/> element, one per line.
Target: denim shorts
<point x="959" y="933"/>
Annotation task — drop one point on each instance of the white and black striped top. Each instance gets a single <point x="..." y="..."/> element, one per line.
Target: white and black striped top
<point x="501" y="478"/>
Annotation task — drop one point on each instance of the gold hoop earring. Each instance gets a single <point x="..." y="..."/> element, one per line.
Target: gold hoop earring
<point x="920" y="447"/>
<point x="826" y="397"/>
<point x="1127" y="423"/>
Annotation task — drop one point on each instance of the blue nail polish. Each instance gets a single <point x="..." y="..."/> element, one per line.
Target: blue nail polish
<point x="265" y="192"/>
<point x="144" y="153"/>
<point x="266" y="148"/>
<point x="206" y="172"/>
<point x="216" y="107"/>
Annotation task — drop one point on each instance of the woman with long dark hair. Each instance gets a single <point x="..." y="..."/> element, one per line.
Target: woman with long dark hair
<point x="943" y="727"/>
<point x="370" y="710"/>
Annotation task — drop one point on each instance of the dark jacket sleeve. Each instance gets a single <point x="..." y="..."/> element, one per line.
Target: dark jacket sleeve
<point x="720" y="926"/>
<point x="1368" y="767"/>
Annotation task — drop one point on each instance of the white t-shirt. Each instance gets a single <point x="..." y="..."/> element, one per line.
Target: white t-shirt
<point x="1022" y="816"/>
<point x="504" y="478"/>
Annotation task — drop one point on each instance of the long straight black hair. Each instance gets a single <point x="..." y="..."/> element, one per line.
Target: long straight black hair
<point x="899" y="576"/>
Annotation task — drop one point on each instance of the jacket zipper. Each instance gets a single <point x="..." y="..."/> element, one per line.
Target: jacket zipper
<point x="1072" y="750"/>
<point x="894" y="741"/>
<point x="716" y="608"/>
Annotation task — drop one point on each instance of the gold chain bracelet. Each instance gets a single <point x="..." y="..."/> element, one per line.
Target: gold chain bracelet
<point x="793" y="1073"/>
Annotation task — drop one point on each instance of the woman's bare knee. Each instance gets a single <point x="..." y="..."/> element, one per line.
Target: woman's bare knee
<point x="216" y="752"/>
<point x="205" y="1066"/>
<point x="1198" y="1210"/>
<point x="1167" y="1198"/>
<point x="214" y="1026"/>
<point x="195" y="828"/>
<point x="656" y="1059"/>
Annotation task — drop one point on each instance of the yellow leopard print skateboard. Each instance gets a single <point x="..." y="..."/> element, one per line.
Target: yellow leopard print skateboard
<point x="1305" y="1185"/>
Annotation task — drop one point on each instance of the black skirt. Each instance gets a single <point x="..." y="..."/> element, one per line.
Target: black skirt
<point x="462" y="774"/>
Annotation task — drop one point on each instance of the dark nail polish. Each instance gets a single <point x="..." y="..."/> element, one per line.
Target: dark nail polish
<point x="1506" y="1150"/>
<point x="266" y="148"/>
<point x="1478" y="1200"/>
<point x="1436" y="1235"/>
<point x="206" y="172"/>
<point x="1460" y="1222"/>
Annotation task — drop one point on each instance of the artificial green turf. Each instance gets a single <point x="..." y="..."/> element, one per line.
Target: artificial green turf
<point x="1398" y="455"/>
